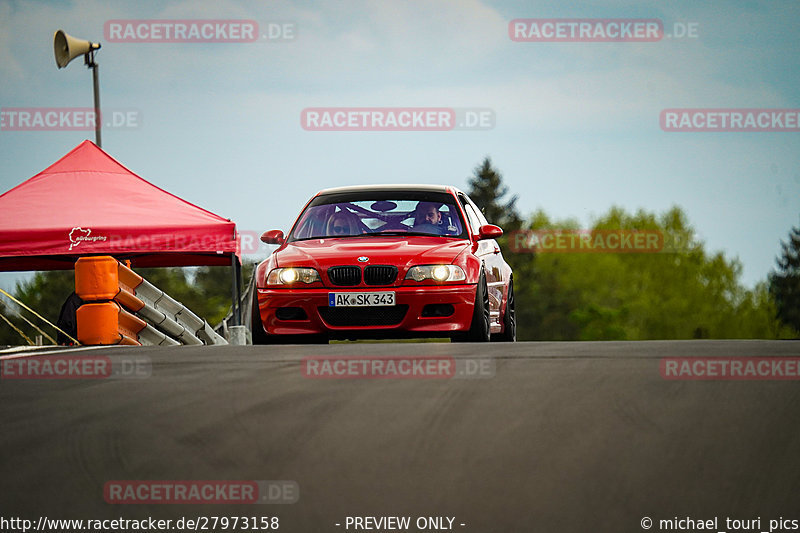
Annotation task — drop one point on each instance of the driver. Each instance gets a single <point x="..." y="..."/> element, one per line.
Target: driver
<point x="428" y="213"/>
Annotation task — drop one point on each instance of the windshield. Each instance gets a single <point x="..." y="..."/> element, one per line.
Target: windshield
<point x="379" y="213"/>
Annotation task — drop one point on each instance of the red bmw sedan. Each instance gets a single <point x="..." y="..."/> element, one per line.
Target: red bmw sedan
<point x="385" y="261"/>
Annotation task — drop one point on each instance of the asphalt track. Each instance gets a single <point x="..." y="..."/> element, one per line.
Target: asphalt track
<point x="575" y="437"/>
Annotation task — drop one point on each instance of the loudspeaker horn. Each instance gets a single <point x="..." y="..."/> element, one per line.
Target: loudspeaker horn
<point x="67" y="48"/>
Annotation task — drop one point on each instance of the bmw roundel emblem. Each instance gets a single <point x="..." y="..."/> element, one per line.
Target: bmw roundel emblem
<point x="363" y="259"/>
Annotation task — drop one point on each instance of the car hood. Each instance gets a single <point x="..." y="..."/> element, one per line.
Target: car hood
<point x="402" y="252"/>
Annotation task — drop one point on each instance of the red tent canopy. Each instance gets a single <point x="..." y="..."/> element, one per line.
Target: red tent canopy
<point x="87" y="203"/>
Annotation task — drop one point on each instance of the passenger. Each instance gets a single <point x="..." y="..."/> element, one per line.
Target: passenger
<point x="343" y="224"/>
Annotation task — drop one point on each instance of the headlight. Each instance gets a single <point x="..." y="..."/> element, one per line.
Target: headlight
<point x="288" y="276"/>
<point x="437" y="273"/>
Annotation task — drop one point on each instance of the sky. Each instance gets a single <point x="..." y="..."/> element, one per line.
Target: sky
<point x="574" y="125"/>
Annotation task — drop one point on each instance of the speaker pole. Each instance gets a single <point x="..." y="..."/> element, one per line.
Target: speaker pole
<point x="98" y="122"/>
<point x="66" y="48"/>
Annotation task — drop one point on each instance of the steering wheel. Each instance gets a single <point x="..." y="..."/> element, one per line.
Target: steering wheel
<point x="433" y="229"/>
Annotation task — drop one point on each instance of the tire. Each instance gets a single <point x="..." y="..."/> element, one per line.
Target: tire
<point x="479" y="330"/>
<point x="256" y="327"/>
<point x="509" y="333"/>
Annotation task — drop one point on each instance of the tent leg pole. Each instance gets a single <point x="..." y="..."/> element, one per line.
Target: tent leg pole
<point x="235" y="317"/>
<point x="238" y="291"/>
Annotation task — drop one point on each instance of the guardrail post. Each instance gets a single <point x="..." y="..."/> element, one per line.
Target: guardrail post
<point x="108" y="323"/>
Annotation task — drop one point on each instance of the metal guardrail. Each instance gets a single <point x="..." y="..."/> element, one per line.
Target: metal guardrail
<point x="238" y="329"/>
<point x="125" y="308"/>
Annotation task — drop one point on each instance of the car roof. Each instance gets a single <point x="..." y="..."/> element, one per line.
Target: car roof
<point x="396" y="187"/>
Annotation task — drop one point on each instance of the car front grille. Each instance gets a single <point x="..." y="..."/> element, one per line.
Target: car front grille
<point x="363" y="316"/>
<point x="380" y="274"/>
<point x="344" y="276"/>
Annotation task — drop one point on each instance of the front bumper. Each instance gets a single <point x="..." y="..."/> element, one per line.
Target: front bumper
<point x="280" y="315"/>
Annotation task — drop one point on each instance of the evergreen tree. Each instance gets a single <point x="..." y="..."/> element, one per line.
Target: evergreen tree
<point x="784" y="285"/>
<point x="487" y="191"/>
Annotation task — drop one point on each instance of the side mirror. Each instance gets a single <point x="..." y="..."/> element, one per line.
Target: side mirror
<point x="273" y="236"/>
<point x="490" y="231"/>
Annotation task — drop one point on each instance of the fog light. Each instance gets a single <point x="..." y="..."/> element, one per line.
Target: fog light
<point x="438" y="310"/>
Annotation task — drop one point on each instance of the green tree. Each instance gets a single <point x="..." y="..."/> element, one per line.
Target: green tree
<point x="682" y="292"/>
<point x="45" y="293"/>
<point x="486" y="189"/>
<point x="544" y="304"/>
<point x="784" y="285"/>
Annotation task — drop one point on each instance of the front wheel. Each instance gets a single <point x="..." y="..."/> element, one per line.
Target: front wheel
<point x="479" y="329"/>
<point x="256" y="327"/>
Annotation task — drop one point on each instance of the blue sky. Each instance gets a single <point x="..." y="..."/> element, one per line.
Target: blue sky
<point x="577" y="124"/>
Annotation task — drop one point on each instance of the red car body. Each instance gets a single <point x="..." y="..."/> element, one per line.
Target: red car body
<point x="369" y="265"/>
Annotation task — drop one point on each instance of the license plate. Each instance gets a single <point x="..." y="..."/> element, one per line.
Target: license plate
<point x="360" y="299"/>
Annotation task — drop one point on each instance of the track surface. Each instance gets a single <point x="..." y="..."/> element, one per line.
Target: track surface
<point x="564" y="437"/>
